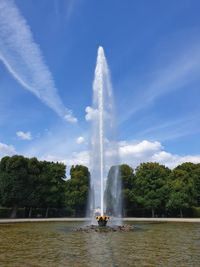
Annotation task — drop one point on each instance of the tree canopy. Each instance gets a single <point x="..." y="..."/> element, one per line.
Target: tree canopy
<point x="30" y="183"/>
<point x="41" y="188"/>
<point x="77" y="187"/>
<point x="183" y="192"/>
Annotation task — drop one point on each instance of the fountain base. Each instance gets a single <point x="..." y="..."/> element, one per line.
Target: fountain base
<point x="102" y="220"/>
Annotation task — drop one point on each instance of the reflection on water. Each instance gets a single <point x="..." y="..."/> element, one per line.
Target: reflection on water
<point x="54" y="244"/>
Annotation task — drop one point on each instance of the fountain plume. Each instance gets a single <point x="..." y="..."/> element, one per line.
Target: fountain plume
<point x="104" y="151"/>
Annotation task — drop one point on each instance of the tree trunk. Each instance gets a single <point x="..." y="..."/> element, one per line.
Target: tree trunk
<point x="30" y="212"/>
<point x="47" y="212"/>
<point x="14" y="212"/>
<point x="152" y="212"/>
<point x="181" y="213"/>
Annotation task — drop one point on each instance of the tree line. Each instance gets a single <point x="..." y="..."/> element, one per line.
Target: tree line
<point x="155" y="190"/>
<point x="33" y="188"/>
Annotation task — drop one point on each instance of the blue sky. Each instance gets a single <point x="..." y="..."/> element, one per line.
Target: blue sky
<point x="47" y="59"/>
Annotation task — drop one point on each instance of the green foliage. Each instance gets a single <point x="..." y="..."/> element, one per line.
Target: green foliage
<point x="151" y="190"/>
<point x="29" y="187"/>
<point x="77" y="187"/>
<point x="51" y="191"/>
<point x="14" y="181"/>
<point x="31" y="183"/>
<point x="128" y="188"/>
<point x="154" y="187"/>
<point x="127" y="176"/>
<point x="182" y="190"/>
<point x="41" y="185"/>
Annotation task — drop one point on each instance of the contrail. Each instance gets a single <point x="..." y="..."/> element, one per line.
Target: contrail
<point x="23" y="59"/>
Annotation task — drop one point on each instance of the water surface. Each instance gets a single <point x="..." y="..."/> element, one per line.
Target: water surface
<point x="55" y="244"/>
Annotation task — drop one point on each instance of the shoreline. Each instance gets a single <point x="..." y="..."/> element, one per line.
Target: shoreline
<point x="131" y="219"/>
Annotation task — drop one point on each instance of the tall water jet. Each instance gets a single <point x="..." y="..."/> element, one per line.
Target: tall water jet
<point x="104" y="149"/>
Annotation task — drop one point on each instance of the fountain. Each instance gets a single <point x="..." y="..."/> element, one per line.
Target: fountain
<point x="105" y="188"/>
<point x="105" y="194"/>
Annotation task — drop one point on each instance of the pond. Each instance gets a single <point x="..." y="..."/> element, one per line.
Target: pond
<point x="55" y="244"/>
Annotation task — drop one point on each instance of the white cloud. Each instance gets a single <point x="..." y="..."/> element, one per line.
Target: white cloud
<point x="70" y="118"/>
<point x="60" y="146"/>
<point x="24" y="60"/>
<point x="139" y="149"/>
<point x="80" y="140"/>
<point x="76" y="158"/>
<point x="6" y="150"/>
<point x="132" y="154"/>
<point x="172" y="161"/>
<point x="80" y="158"/>
<point x="24" y="135"/>
<point x="146" y="151"/>
<point x="91" y="113"/>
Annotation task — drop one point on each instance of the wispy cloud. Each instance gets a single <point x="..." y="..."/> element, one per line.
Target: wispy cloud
<point x="172" y="129"/>
<point x="64" y="9"/>
<point x="24" y="135"/>
<point x="24" y="60"/>
<point x="174" y="75"/>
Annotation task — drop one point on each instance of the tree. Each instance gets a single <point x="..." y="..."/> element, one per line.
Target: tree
<point x="51" y="185"/>
<point x="14" y="182"/>
<point x="128" y="188"/>
<point x="182" y="191"/>
<point x="193" y="171"/>
<point x="151" y="185"/>
<point x="197" y="182"/>
<point x="34" y="172"/>
<point x="77" y="187"/>
<point x="31" y="183"/>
